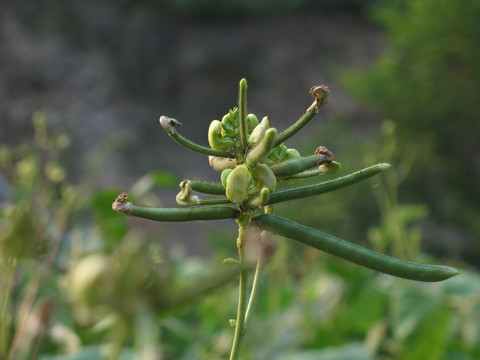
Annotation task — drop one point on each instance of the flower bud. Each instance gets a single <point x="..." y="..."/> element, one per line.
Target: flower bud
<point x="229" y="123"/>
<point x="252" y="122"/>
<point x="292" y="154"/>
<point x="224" y="176"/>
<point x="237" y="184"/>
<point x="259" y="132"/>
<point x="219" y="164"/>
<point x="215" y="139"/>
<point x="264" y="177"/>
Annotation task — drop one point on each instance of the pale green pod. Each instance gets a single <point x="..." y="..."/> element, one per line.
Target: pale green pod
<point x="264" y="177"/>
<point x="262" y="149"/>
<point x="259" y="132"/>
<point x="215" y="138"/>
<point x="252" y="122"/>
<point x="330" y="168"/>
<point x="219" y="164"/>
<point x="292" y="154"/>
<point x="224" y="176"/>
<point x="237" y="184"/>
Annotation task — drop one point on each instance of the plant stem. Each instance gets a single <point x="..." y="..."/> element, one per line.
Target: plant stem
<point x="327" y="186"/>
<point x="242" y="291"/>
<point x="255" y="287"/>
<point x="242" y="114"/>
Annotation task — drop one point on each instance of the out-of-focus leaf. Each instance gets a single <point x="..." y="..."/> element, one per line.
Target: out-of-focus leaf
<point x="353" y="351"/>
<point x="112" y="224"/>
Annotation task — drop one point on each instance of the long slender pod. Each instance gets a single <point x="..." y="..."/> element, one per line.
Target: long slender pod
<point x="169" y="124"/>
<point x="174" y="214"/>
<point x="327" y="186"/>
<point x="352" y="252"/>
<point x="321" y="94"/>
<point x="207" y="188"/>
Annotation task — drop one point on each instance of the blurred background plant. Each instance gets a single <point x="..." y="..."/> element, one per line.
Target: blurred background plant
<point x="102" y="71"/>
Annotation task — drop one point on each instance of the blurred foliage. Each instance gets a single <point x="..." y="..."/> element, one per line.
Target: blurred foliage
<point x="427" y="81"/>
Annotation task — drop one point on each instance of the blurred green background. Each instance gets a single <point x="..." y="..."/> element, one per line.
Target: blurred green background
<point x="82" y="85"/>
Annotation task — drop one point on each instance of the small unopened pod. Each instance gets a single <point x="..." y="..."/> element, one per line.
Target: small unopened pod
<point x="219" y="164"/>
<point x="215" y="138"/>
<point x="259" y="132"/>
<point x="292" y="154"/>
<point x="237" y="184"/>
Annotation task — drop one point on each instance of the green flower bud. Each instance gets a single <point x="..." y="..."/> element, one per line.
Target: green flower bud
<point x="264" y="177"/>
<point x="215" y="139"/>
<point x="237" y="184"/>
<point x="224" y="176"/>
<point x="229" y="124"/>
<point x="252" y="122"/>
<point x="259" y="132"/>
<point x="278" y="153"/>
<point x="219" y="164"/>
<point x="292" y="154"/>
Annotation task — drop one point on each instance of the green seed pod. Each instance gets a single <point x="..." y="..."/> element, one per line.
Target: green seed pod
<point x="295" y="166"/>
<point x="215" y="139"/>
<point x="262" y="149"/>
<point x="292" y="154"/>
<point x="259" y="132"/>
<point x="264" y="177"/>
<point x="237" y="184"/>
<point x="219" y="164"/>
<point x="352" y="252"/>
<point x="252" y="121"/>
<point x="224" y="176"/>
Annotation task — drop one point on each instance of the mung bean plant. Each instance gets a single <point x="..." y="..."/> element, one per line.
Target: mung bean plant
<point x="252" y="159"/>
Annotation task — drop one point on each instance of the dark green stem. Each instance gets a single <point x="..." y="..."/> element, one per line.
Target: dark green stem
<point x="327" y="186"/>
<point x="242" y="291"/>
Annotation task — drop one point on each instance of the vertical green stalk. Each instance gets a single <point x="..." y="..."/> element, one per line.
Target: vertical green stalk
<point x="242" y="290"/>
<point x="242" y="114"/>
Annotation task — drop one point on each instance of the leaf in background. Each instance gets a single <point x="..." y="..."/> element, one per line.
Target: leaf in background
<point x="112" y="224"/>
<point x="153" y="179"/>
